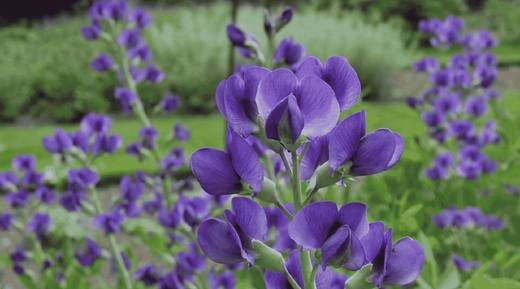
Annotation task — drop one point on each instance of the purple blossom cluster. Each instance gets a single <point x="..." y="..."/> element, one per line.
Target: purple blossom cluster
<point x="459" y="95"/>
<point x="469" y="217"/>
<point x="464" y="265"/>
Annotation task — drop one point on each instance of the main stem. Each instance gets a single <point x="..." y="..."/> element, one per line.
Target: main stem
<point x="139" y="110"/>
<point x="113" y="244"/>
<point x="305" y="256"/>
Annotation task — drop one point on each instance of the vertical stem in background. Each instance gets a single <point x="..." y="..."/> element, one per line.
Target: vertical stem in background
<point x="231" y="54"/>
<point x="113" y="244"/>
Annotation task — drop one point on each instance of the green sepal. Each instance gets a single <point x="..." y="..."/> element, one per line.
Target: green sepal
<point x="268" y="257"/>
<point x="360" y="279"/>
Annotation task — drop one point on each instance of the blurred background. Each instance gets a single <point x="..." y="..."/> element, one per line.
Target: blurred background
<point x="46" y="79"/>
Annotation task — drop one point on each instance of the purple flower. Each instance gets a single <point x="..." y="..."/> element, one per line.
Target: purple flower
<point x="462" y="129"/>
<point x="86" y="256"/>
<point x="459" y="78"/>
<point x="338" y="74"/>
<point x="220" y="173"/>
<point x="57" y="143"/>
<point x="181" y="132"/>
<point x="139" y="16"/>
<point x="148" y="274"/>
<point x="492" y="94"/>
<point x="72" y="201"/>
<point x="440" y="77"/>
<point x="45" y="195"/>
<point x="436" y="173"/>
<point x="8" y="179"/>
<point x="338" y="280"/>
<point x="429" y="64"/>
<point x="293" y="54"/>
<point x="153" y="206"/>
<point x="91" y="32"/>
<point x="141" y="51"/>
<point x="448" y="103"/>
<point x="6" y="221"/>
<point x="459" y="61"/>
<point x="476" y="106"/>
<point x="129" y="38"/>
<point x="231" y="241"/>
<point x="278" y="221"/>
<point x="493" y="222"/>
<point x="399" y="263"/>
<point x="173" y="161"/>
<point x="235" y="35"/>
<point x="274" y="280"/>
<point x="131" y="190"/>
<point x="153" y="74"/>
<point x="126" y="97"/>
<point x="102" y="63"/>
<point x="149" y="135"/>
<point x="226" y="280"/>
<point x="81" y="140"/>
<point x="24" y="163"/>
<point x="18" y="199"/>
<point x="194" y="210"/>
<point x="485" y="75"/>
<point x="488" y="59"/>
<point x="170" y="219"/>
<point x="110" y="222"/>
<point x="94" y="123"/>
<point x="39" y="224"/>
<point x="462" y="264"/>
<point x="337" y="233"/>
<point x="287" y="15"/>
<point x="134" y="149"/>
<point x="80" y="179"/>
<point x="444" y="160"/>
<point x="126" y="261"/>
<point x="433" y="118"/>
<point x="33" y="178"/>
<point x="19" y="255"/>
<point x="370" y="154"/>
<point x="190" y="262"/>
<point x="109" y="144"/>
<point x="235" y="99"/>
<point x="170" y="102"/>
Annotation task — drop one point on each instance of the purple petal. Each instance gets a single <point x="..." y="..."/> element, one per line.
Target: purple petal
<point x="373" y="241"/>
<point x="345" y="139"/>
<point x="51" y="144"/>
<point x="405" y="262"/>
<point x="214" y="171"/>
<point x="319" y="107"/>
<point x="310" y="226"/>
<point x="245" y="162"/>
<point x="285" y="122"/>
<point x="274" y="87"/>
<point x="275" y="280"/>
<point x="374" y="154"/>
<point x="250" y="217"/>
<point x="294" y="267"/>
<point x="399" y="148"/>
<point x="355" y="216"/>
<point x="316" y="155"/>
<point x="343" y="79"/>
<point x="217" y="242"/>
<point x="311" y="66"/>
<point x="240" y="110"/>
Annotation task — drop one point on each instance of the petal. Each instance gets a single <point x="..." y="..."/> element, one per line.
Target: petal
<point x="214" y="171"/>
<point x="245" y="162"/>
<point x="275" y="280"/>
<point x="51" y="144"/>
<point x="357" y="255"/>
<point x="405" y="262"/>
<point x="252" y="77"/>
<point x="345" y="139"/>
<point x="217" y="242"/>
<point x="343" y="79"/>
<point x="274" y="87"/>
<point x="381" y="260"/>
<point x="319" y="107"/>
<point x="250" y="217"/>
<point x="311" y="66"/>
<point x="219" y="98"/>
<point x="294" y="267"/>
<point x="373" y="241"/>
<point x="399" y="148"/>
<point x="374" y="153"/>
<point x="316" y="155"/>
<point x="355" y="216"/>
<point x="240" y="110"/>
<point x="285" y="122"/>
<point x="324" y="279"/>
<point x="280" y="50"/>
<point x="310" y="226"/>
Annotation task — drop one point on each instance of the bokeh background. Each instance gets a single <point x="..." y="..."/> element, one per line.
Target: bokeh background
<point x="46" y="79"/>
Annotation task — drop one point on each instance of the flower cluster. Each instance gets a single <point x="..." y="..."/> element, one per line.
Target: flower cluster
<point x="468" y="217"/>
<point x="459" y="95"/>
<point x="464" y="265"/>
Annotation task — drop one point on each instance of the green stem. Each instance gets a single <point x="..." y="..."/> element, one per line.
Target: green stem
<point x="285" y="162"/>
<point x="113" y="244"/>
<point x="309" y="197"/>
<point x="284" y="210"/>
<point x="297" y="189"/>
<point x="308" y="280"/>
<point x="314" y="272"/>
<point x="291" y="280"/>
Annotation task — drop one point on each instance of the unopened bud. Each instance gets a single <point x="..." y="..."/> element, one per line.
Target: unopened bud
<point x="268" y="257"/>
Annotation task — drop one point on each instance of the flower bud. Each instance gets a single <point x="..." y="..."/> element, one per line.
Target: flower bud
<point x="268" y="192"/>
<point x="268" y="24"/>
<point x="284" y="19"/>
<point x="268" y="257"/>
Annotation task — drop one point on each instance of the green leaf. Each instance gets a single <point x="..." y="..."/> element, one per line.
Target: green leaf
<point x="431" y="263"/>
<point x="268" y="257"/>
<point x="360" y="279"/>
<point x="27" y="281"/>
<point x="450" y="278"/>
<point x="74" y="280"/>
<point x="512" y="261"/>
<point x="506" y="283"/>
<point x="6" y="260"/>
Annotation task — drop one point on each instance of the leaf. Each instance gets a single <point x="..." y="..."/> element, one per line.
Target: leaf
<point x="450" y="278"/>
<point x="512" y="261"/>
<point x="6" y="260"/>
<point x="430" y="259"/>
<point x="506" y="283"/>
<point x="74" y="280"/>
<point x="27" y="281"/>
